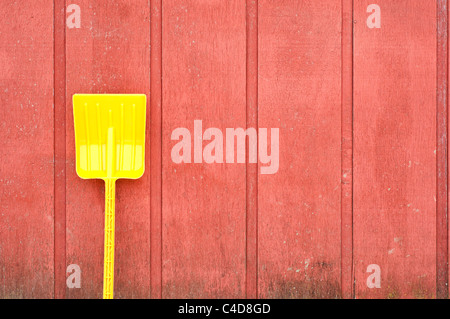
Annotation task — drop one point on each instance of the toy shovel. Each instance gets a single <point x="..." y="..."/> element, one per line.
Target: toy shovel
<point x="110" y="144"/>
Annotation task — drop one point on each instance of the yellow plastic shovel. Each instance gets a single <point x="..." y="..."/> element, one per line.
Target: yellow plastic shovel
<point x="110" y="144"/>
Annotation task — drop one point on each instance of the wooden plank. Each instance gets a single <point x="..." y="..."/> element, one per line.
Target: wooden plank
<point x="347" y="277"/>
<point x="110" y="53"/>
<point x="299" y="92"/>
<point x="252" y="168"/>
<point x="442" y="271"/>
<point x="156" y="148"/>
<point x="59" y="21"/>
<point x="26" y="150"/>
<point x="395" y="149"/>
<point x="203" y="204"/>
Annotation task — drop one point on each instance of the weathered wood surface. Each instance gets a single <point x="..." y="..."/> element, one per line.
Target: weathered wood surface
<point x="362" y="180"/>
<point x="26" y="150"/>
<point x="203" y="205"/>
<point x="299" y="91"/>
<point x="394" y="196"/>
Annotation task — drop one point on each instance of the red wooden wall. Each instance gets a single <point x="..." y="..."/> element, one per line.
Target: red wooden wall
<point x="362" y="114"/>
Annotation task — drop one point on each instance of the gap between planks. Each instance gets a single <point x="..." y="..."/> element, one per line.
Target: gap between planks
<point x="347" y="276"/>
<point x="441" y="151"/>
<point x="59" y="109"/>
<point x="251" y="169"/>
<point x="156" y="149"/>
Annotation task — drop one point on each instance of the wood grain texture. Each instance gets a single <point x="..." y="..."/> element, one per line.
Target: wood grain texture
<point x="204" y="206"/>
<point x="442" y="271"/>
<point x="59" y="109"/>
<point x="347" y="277"/>
<point x="110" y="53"/>
<point x="156" y="148"/>
<point x="395" y="149"/>
<point x="26" y="149"/>
<point x="252" y="168"/>
<point x="363" y="176"/>
<point x="299" y="91"/>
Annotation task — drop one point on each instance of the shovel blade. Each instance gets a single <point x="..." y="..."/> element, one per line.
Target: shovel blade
<point x="109" y="135"/>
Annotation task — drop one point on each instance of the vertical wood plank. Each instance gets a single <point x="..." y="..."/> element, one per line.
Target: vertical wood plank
<point x="442" y="152"/>
<point x="252" y="168"/>
<point x="26" y="150"/>
<point x="395" y="149"/>
<point x="203" y="205"/>
<point x="110" y="53"/>
<point x="59" y="72"/>
<point x="156" y="148"/>
<point x="299" y="92"/>
<point x="347" y="278"/>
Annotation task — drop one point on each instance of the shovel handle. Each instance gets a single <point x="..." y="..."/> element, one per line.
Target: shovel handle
<point x="108" y="271"/>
